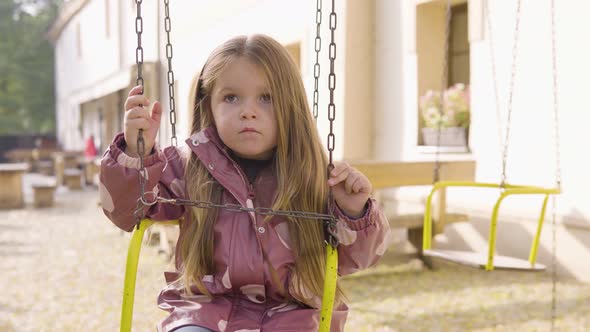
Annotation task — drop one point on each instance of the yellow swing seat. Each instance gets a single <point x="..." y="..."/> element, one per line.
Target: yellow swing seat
<point x="480" y="260"/>
<point x="131" y="277"/>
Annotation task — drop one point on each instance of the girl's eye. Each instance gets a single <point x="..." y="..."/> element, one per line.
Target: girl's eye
<point x="266" y="98"/>
<point x="230" y="98"/>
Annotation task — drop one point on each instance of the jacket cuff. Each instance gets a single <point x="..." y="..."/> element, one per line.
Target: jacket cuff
<point x="357" y="224"/>
<point x="117" y="150"/>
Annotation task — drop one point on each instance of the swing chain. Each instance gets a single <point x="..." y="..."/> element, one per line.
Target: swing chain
<point x="329" y="219"/>
<point x="168" y="27"/>
<point x="443" y="85"/>
<point x="139" y="49"/>
<point x="150" y="198"/>
<point x="332" y="85"/>
<point x="142" y="171"/>
<point x="511" y="92"/>
<point x="316" y="66"/>
<point x="494" y="72"/>
<point x="139" y="212"/>
<point x="330" y="223"/>
<point x="332" y="236"/>
<point x="239" y="208"/>
<point x="555" y="99"/>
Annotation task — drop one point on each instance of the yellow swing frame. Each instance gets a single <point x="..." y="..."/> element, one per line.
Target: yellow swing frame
<point x="473" y="259"/>
<point x="492" y="261"/>
<point x="331" y="273"/>
<point x="133" y="261"/>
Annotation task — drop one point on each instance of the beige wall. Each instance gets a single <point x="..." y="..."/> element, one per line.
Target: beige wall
<point x="295" y="51"/>
<point x="358" y="86"/>
<point x="430" y="42"/>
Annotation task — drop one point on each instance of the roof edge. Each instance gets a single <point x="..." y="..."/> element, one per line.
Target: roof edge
<point x="68" y="11"/>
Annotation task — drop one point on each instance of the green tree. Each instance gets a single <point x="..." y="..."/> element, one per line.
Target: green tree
<point x="27" y="102"/>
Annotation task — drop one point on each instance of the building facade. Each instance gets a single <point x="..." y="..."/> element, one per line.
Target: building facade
<point x="389" y="54"/>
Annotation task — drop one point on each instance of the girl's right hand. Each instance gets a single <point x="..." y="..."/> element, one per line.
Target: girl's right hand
<point x="137" y="116"/>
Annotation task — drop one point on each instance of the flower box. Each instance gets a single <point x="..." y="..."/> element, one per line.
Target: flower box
<point x="450" y="136"/>
<point x="448" y="112"/>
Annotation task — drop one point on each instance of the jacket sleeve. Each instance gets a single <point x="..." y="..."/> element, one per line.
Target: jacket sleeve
<point x="362" y="241"/>
<point x="119" y="186"/>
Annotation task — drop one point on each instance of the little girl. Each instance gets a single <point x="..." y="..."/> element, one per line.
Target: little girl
<point x="254" y="143"/>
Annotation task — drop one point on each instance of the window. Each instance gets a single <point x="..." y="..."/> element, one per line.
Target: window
<point x="434" y="71"/>
<point x="458" y="46"/>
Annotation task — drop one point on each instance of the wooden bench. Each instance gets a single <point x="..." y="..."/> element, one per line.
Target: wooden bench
<point x="43" y="194"/>
<point x="63" y="160"/>
<point x="385" y="175"/>
<point x="11" y="190"/>
<point x="72" y="178"/>
<point x="45" y="167"/>
<point x="91" y="170"/>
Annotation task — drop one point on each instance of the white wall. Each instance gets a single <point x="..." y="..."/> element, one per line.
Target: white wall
<point x="199" y="26"/>
<point x="103" y="66"/>
<point x="574" y="70"/>
<point x="531" y="157"/>
<point x="532" y="153"/>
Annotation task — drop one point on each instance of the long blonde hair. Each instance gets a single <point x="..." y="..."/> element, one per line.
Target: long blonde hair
<point x="301" y="165"/>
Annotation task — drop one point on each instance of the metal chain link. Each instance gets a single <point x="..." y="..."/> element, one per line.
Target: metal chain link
<point x="316" y="66"/>
<point x="511" y="92"/>
<point x="504" y="142"/>
<point x="443" y="86"/>
<point x="494" y="75"/>
<point x="332" y="86"/>
<point x="331" y="224"/>
<point x="168" y="27"/>
<point x="139" y="48"/>
<point x="328" y="219"/>
<point x="139" y="212"/>
<point x="239" y="208"/>
<point x="150" y="198"/>
<point x="144" y="199"/>
<point x="556" y="139"/>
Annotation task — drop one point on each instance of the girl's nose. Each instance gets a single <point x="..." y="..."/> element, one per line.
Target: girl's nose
<point x="248" y="112"/>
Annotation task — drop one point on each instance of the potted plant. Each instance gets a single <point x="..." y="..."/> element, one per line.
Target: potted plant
<point x="448" y="113"/>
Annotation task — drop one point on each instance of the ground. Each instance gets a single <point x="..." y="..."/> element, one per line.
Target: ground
<point x="63" y="268"/>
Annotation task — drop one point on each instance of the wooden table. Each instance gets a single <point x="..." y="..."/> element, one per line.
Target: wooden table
<point x="11" y="185"/>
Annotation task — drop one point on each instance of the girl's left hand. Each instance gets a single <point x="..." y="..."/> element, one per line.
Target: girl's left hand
<point x="350" y="188"/>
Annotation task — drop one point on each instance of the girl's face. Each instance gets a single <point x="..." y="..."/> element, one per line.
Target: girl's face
<point x="242" y="110"/>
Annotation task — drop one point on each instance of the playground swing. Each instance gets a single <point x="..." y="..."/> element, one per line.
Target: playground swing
<point x="149" y="198"/>
<point x="493" y="261"/>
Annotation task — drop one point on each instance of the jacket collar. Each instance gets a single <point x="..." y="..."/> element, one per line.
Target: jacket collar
<point x="210" y="150"/>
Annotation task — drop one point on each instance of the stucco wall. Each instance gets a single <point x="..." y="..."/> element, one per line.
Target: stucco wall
<point x="379" y="62"/>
